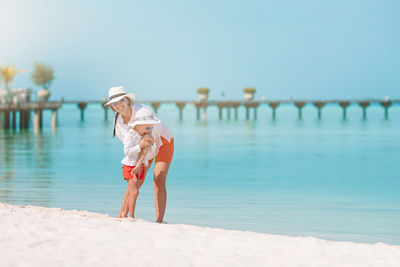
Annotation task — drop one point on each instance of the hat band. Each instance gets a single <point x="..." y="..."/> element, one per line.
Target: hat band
<point x="117" y="95"/>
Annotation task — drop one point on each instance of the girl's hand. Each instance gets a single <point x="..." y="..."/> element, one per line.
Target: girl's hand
<point x="135" y="172"/>
<point x="145" y="142"/>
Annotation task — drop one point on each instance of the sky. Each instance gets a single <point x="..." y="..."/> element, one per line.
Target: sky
<point x="165" y="50"/>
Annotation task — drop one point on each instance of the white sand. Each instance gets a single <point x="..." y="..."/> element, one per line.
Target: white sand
<point x="36" y="236"/>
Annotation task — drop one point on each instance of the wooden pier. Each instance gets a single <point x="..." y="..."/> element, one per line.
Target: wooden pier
<point x="23" y="111"/>
<point x="15" y="116"/>
<point x="202" y="105"/>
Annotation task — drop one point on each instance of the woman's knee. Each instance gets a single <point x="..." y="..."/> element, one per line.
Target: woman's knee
<point x="159" y="183"/>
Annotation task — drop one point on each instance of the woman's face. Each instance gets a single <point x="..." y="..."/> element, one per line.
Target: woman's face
<point x="144" y="128"/>
<point x="121" y="106"/>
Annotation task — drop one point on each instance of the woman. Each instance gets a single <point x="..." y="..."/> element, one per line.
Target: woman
<point x="126" y="109"/>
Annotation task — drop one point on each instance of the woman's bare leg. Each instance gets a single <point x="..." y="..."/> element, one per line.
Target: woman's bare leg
<point x="160" y="191"/>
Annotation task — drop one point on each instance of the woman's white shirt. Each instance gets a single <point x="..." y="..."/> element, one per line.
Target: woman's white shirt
<point x="131" y="139"/>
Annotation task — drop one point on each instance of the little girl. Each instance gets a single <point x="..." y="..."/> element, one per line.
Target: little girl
<point x="136" y="160"/>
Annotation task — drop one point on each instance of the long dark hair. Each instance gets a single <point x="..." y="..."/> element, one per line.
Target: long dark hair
<point x="116" y="115"/>
<point x="115" y="123"/>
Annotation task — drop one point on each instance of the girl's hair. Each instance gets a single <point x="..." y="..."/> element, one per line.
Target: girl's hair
<point x="116" y="115"/>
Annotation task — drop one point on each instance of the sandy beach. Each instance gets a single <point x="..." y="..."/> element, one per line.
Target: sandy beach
<point x="38" y="236"/>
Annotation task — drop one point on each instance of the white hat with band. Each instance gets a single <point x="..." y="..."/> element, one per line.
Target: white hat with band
<point x="115" y="94"/>
<point x="145" y="116"/>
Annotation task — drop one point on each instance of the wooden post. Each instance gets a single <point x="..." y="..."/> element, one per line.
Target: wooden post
<point x="7" y="120"/>
<point x="300" y="105"/>
<point x="199" y="105"/>
<point x="220" y="106"/>
<point x="364" y="105"/>
<point x="344" y="105"/>
<point x="247" y="112"/>
<point x="105" y="109"/>
<point x="229" y="113"/>
<point x="40" y="118"/>
<point x="319" y="105"/>
<point x="386" y="105"/>
<point x="54" y="119"/>
<point x="14" y="119"/>
<point x="236" y="106"/>
<point x="274" y="105"/>
<point x="180" y="106"/>
<point x="155" y="106"/>
<point x="198" y="112"/>
<point x="21" y="119"/>
<point x="36" y="120"/>
<point x="205" y="113"/>
<point x="27" y="118"/>
<point x="82" y="106"/>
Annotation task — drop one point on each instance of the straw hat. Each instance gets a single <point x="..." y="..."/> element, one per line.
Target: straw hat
<point x="145" y="116"/>
<point x="115" y="94"/>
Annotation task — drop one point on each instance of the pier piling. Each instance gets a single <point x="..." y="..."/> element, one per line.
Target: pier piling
<point x="344" y="105"/>
<point x="235" y="107"/>
<point x="54" y="119"/>
<point x="14" y="120"/>
<point x="37" y="120"/>
<point x="300" y="105"/>
<point x="105" y="109"/>
<point x="21" y="119"/>
<point x="220" y="106"/>
<point x="6" y="120"/>
<point x="82" y="106"/>
<point x="319" y="105"/>
<point x="180" y="106"/>
<point x="364" y="105"/>
<point x="251" y="104"/>
<point x="156" y="106"/>
<point x="386" y="105"/>
<point x="27" y="118"/>
<point x="203" y="105"/>
<point x="274" y="105"/>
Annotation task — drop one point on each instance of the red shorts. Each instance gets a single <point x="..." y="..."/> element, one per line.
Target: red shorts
<point x="166" y="151"/>
<point x="126" y="171"/>
<point x="165" y="154"/>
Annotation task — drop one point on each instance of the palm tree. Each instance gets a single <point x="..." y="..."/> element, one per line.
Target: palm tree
<point x="8" y="73"/>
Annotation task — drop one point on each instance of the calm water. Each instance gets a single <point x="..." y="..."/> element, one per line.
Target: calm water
<point x="333" y="179"/>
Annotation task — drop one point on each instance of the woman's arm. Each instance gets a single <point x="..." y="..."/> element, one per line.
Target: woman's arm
<point x="130" y="149"/>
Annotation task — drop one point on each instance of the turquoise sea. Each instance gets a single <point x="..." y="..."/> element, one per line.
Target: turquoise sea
<point x="328" y="178"/>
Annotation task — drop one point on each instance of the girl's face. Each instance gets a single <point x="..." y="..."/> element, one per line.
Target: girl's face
<point x="121" y="106"/>
<point x="144" y="128"/>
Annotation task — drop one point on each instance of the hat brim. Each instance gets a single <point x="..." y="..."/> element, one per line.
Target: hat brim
<point x="146" y="122"/>
<point x="131" y="96"/>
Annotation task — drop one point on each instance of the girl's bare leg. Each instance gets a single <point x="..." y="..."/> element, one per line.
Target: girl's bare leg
<point x="124" y="208"/>
<point x="133" y="193"/>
